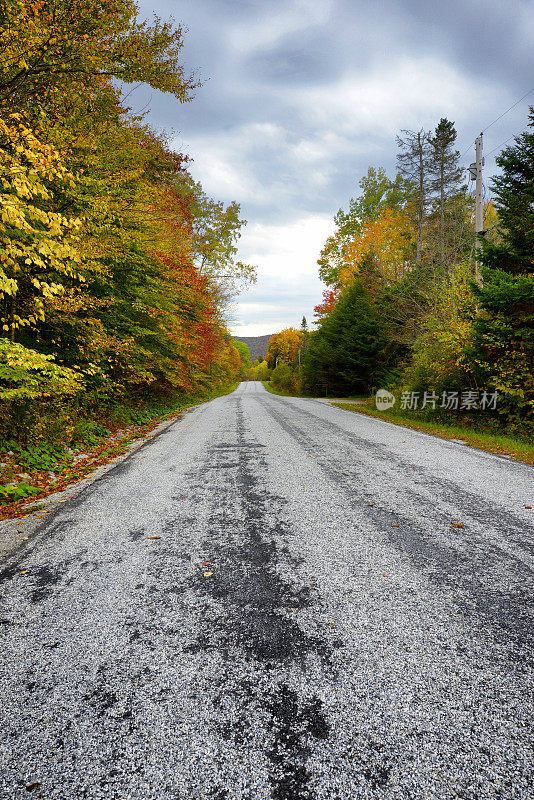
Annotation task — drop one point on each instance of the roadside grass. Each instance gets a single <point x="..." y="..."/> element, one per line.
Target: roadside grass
<point x="501" y="444"/>
<point x="493" y="442"/>
<point x="284" y="393"/>
<point x="50" y="468"/>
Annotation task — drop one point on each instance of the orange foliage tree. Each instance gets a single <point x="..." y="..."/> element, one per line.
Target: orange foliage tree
<point x="284" y="346"/>
<point x="330" y="298"/>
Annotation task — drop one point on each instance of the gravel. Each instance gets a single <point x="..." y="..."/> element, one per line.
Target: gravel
<point x="274" y="598"/>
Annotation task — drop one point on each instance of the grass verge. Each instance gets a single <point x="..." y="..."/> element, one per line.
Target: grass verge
<point x="501" y="444"/>
<point x="284" y="393"/>
<point x="71" y="466"/>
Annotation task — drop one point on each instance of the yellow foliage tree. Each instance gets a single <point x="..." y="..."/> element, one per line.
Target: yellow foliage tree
<point x="387" y="240"/>
<point x="440" y="361"/>
<point x="284" y="346"/>
<point x="38" y="255"/>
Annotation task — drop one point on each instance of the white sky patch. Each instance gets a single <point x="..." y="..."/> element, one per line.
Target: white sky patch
<point x="277" y="23"/>
<point x="407" y="93"/>
<point x="223" y="162"/>
<point x="288" y="285"/>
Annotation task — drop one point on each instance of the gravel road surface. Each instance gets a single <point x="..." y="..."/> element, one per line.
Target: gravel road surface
<point x="269" y="600"/>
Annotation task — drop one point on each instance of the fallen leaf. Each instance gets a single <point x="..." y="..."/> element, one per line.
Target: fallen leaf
<point x="153" y="537"/>
<point x="206" y="563"/>
<point x="384" y="575"/>
<point x="24" y="571"/>
<point x="396" y="526"/>
<point x="528" y="506"/>
<point x="208" y="574"/>
<point x="457" y="524"/>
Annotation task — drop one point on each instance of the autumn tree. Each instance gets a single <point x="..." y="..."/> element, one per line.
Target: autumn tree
<point x="379" y="193"/>
<point x="115" y="262"/>
<point x="48" y="47"/>
<point x="215" y="232"/>
<point x="40" y="258"/>
<point x="322" y="310"/>
<point x="386" y="242"/>
<point x="283" y="346"/>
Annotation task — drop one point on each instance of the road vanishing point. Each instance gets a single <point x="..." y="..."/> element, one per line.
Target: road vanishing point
<point x="275" y="599"/>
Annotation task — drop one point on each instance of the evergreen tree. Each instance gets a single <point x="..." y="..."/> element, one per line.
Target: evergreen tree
<point x="445" y="171"/>
<point x="413" y="162"/>
<point x="343" y="356"/>
<point x="504" y="329"/>
<point x="304" y="339"/>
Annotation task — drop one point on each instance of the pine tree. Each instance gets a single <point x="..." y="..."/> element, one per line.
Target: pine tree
<point x="514" y="200"/>
<point x="344" y="354"/>
<point x="504" y="330"/>
<point x="445" y="171"/>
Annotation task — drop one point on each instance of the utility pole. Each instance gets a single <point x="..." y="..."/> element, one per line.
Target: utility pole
<point x="479" y="207"/>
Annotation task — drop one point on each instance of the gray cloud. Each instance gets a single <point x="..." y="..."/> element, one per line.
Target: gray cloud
<point x="301" y="96"/>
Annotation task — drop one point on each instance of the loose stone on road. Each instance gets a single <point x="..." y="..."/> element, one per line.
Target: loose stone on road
<point x="275" y="599"/>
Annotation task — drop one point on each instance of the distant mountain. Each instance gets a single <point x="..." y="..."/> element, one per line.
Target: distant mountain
<point x="256" y="344"/>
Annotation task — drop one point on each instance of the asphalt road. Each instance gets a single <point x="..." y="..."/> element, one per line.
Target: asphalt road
<point x="269" y="600"/>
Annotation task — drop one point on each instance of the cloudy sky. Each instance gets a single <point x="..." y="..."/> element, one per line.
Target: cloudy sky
<point x="299" y="97"/>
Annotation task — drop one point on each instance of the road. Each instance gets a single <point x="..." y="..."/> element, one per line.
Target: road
<point x="269" y="601"/>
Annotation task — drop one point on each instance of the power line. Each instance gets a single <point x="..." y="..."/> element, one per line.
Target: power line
<point x="501" y="145"/>
<point x="496" y="120"/>
<point x="508" y="109"/>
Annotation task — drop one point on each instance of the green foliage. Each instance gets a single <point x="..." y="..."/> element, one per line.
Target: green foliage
<point x="514" y="200"/>
<point x="344" y="355"/>
<point x="285" y="377"/>
<point x="45" y="455"/>
<point x="439" y="360"/>
<point x="10" y="494"/>
<point x="27" y="374"/>
<point x="244" y="355"/>
<point x="259" y="371"/>
<point x="503" y="345"/>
